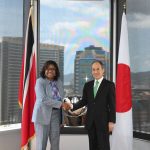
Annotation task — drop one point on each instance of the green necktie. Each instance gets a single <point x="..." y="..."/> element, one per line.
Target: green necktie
<point x="95" y="88"/>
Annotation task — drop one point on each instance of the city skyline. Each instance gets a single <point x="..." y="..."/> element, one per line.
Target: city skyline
<point x="10" y="60"/>
<point x="138" y="19"/>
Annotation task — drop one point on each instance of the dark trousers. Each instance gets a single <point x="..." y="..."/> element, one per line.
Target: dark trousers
<point x="98" y="138"/>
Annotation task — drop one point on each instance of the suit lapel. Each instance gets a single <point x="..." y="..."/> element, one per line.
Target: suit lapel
<point x="91" y="89"/>
<point x="59" y="86"/>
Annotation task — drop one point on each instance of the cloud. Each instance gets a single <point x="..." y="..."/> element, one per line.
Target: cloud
<point x="138" y="20"/>
<point x="136" y="65"/>
<point x="70" y="25"/>
<point x="138" y="6"/>
<point x="98" y="10"/>
<point x="103" y="32"/>
<point x="94" y="8"/>
<point x="64" y="31"/>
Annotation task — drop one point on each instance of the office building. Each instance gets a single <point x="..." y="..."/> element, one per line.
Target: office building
<point x="52" y="52"/>
<point x="11" y="50"/>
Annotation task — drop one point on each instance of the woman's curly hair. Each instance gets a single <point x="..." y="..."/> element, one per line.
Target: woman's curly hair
<point x="45" y="67"/>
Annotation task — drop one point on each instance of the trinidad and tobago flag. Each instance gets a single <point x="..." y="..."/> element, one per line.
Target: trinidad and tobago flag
<point x="27" y="84"/>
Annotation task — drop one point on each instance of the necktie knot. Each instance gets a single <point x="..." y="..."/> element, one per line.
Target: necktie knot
<point x="96" y="83"/>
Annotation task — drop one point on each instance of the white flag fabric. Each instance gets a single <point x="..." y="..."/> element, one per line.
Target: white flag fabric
<point x="122" y="136"/>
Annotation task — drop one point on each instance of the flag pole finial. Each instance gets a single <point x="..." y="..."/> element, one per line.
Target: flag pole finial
<point x="124" y="7"/>
<point x="32" y="2"/>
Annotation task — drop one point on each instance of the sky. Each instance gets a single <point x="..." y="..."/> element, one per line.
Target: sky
<point x="138" y="19"/>
<point x="11" y="18"/>
<point x="74" y="25"/>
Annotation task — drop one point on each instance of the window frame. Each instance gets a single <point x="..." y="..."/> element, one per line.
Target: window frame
<point x="81" y="130"/>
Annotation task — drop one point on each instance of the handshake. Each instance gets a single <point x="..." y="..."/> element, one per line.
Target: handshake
<point x="66" y="105"/>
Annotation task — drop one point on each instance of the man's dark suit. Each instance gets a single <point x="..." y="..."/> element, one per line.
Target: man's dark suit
<point x="100" y="111"/>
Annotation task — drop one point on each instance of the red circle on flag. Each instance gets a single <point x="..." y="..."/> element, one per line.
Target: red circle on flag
<point x="123" y="88"/>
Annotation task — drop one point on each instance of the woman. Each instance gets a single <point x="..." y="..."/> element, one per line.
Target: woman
<point x="47" y="112"/>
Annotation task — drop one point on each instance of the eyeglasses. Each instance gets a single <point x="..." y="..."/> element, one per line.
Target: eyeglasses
<point x="51" y="69"/>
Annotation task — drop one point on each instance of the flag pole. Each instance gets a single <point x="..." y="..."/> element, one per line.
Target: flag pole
<point x="31" y="5"/>
<point x="29" y="146"/>
<point x="34" y="5"/>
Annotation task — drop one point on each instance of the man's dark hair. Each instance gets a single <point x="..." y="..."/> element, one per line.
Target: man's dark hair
<point x="98" y="61"/>
<point x="46" y="65"/>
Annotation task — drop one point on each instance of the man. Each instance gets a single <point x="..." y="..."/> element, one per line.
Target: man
<point x="99" y="97"/>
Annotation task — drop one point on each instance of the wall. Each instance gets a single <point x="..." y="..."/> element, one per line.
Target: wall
<point x="11" y="140"/>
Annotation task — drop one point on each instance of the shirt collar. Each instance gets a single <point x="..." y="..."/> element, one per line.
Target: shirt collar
<point x="99" y="80"/>
<point x="50" y="81"/>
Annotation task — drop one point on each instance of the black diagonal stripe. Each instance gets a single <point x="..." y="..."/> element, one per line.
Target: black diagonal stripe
<point x="29" y="46"/>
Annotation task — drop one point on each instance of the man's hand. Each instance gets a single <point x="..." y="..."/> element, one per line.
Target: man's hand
<point x="111" y="126"/>
<point x="66" y="105"/>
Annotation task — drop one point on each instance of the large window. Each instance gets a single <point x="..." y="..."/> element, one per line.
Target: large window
<point x="138" y="17"/>
<point x="74" y="33"/>
<point x="11" y="48"/>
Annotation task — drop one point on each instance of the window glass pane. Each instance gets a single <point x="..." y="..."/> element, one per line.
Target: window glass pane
<point x="138" y="17"/>
<point x="11" y="48"/>
<point x="74" y="33"/>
